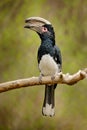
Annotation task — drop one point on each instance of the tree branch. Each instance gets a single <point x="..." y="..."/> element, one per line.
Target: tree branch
<point x="60" y="78"/>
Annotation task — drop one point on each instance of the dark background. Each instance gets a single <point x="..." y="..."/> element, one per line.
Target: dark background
<point x="21" y="109"/>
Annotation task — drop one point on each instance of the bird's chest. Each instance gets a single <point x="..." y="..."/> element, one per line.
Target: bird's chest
<point x="47" y="65"/>
<point x="44" y="49"/>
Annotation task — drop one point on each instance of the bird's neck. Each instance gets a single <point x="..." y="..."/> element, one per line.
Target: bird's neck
<point x="47" y="38"/>
<point x="47" y="42"/>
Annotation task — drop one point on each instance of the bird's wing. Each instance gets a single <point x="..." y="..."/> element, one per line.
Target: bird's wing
<point x="38" y="55"/>
<point x="57" y="56"/>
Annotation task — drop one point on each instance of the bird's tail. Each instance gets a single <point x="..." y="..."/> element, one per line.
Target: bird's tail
<point x="48" y="105"/>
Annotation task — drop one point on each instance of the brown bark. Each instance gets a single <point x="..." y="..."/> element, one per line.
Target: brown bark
<point x="60" y="78"/>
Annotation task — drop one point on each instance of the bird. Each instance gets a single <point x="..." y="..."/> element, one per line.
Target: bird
<point x="49" y="59"/>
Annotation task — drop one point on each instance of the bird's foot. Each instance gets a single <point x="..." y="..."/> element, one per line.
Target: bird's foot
<point x="40" y="78"/>
<point x="52" y="77"/>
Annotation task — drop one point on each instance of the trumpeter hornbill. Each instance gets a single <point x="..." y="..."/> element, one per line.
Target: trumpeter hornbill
<point x="49" y="58"/>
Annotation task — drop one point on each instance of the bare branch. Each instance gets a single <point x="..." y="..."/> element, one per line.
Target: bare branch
<point x="60" y="78"/>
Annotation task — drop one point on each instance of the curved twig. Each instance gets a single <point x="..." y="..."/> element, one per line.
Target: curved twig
<point x="60" y="78"/>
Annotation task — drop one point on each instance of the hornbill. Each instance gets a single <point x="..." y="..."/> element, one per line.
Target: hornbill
<point x="49" y="58"/>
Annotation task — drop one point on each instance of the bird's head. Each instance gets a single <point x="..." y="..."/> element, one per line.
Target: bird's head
<point x="42" y="26"/>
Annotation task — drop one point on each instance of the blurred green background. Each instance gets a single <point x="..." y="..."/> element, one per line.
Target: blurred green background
<point x="21" y="109"/>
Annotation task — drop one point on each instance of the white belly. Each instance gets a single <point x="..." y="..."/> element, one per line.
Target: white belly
<point x="48" y="66"/>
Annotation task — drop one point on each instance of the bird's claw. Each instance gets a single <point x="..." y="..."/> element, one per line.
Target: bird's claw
<point x="40" y="78"/>
<point x="52" y="77"/>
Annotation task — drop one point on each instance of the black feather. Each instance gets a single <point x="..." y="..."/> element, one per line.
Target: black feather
<point x="48" y="47"/>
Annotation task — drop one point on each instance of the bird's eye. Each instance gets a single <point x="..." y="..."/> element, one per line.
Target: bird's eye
<point x="44" y="29"/>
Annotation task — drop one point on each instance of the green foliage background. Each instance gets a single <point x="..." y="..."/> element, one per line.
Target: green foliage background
<point x="21" y="109"/>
